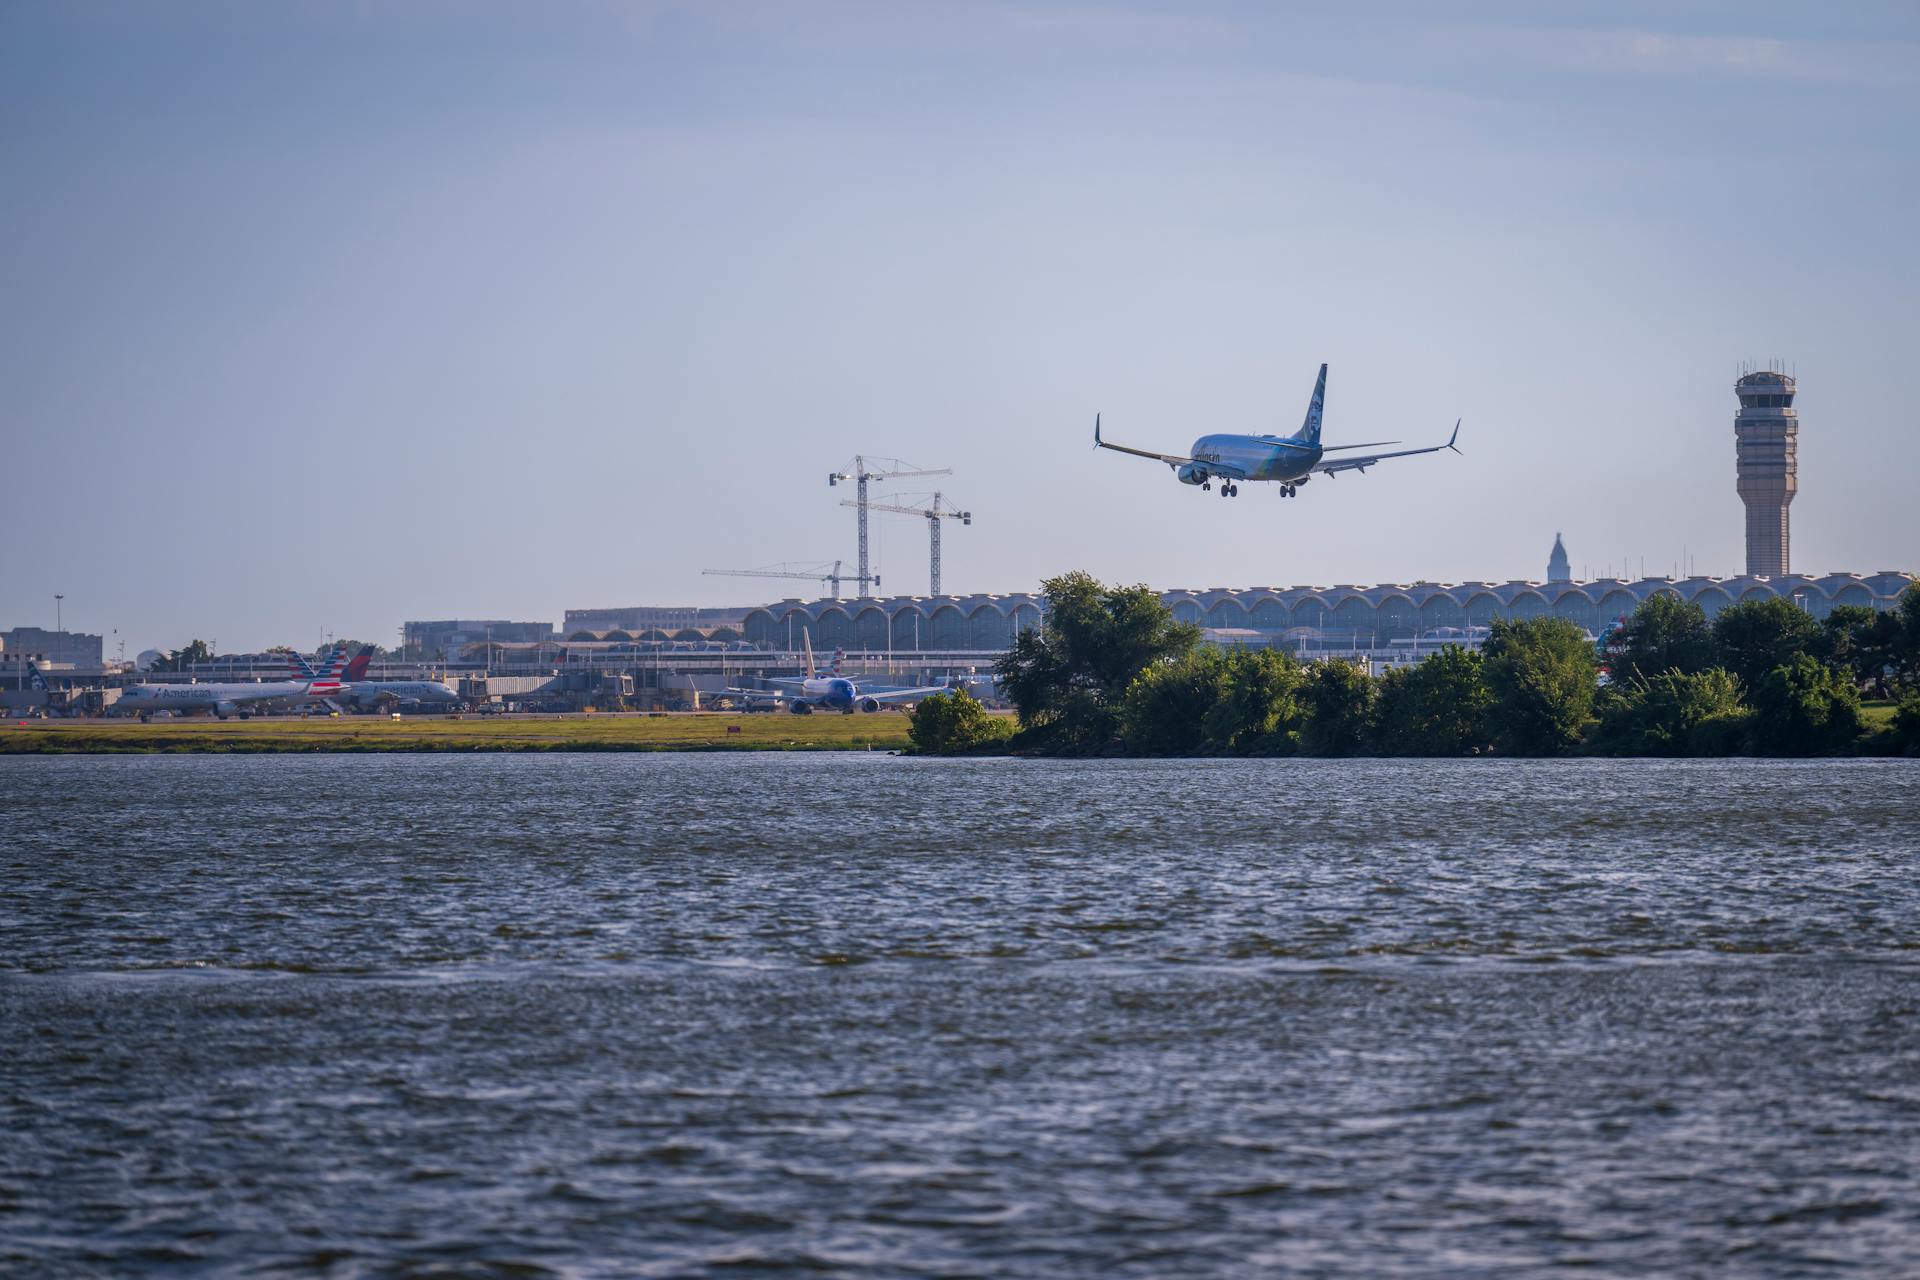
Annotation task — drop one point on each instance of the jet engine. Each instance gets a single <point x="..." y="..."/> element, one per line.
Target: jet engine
<point x="800" y="708"/>
<point x="869" y="704"/>
<point x="1191" y="473"/>
<point x="224" y="709"/>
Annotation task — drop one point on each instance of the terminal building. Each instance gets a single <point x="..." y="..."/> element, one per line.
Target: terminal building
<point x="1346" y="618"/>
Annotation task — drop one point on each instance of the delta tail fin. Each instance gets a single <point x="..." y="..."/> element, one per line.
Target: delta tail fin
<point x="1310" y="429"/>
<point x="357" y="669"/>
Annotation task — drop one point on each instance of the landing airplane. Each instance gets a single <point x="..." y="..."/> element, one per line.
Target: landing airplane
<point x="231" y="699"/>
<point x="1289" y="460"/>
<point x="829" y="692"/>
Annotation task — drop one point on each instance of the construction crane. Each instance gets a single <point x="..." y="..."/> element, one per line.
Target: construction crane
<point x="933" y="516"/>
<point x="897" y="471"/>
<point x="813" y="573"/>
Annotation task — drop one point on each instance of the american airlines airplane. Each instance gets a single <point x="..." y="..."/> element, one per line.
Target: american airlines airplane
<point x="233" y="699"/>
<point x="1288" y="460"/>
<point x="829" y="692"/>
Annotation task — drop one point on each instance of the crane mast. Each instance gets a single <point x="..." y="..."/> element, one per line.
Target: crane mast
<point x="933" y="515"/>
<point x="897" y="470"/>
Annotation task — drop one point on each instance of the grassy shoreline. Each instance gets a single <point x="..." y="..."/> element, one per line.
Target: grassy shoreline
<point x="713" y="731"/>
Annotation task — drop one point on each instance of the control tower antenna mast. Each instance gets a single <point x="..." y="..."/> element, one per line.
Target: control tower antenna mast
<point x="934" y="515"/>
<point x="893" y="470"/>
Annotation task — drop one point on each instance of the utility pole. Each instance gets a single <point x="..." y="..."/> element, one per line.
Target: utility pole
<point x="58" y="624"/>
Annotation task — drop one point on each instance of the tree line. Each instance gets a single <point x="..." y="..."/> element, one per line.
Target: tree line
<point x="1110" y="670"/>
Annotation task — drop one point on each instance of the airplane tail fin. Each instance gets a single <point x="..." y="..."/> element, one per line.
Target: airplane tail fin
<point x="357" y="669"/>
<point x="806" y="644"/>
<point x="36" y="681"/>
<point x="1310" y="429"/>
<point x="839" y="660"/>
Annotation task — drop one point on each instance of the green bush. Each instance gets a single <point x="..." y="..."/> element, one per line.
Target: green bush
<point x="1664" y="634"/>
<point x="1168" y="706"/>
<point x="1341" y="703"/>
<point x="1805" y="707"/>
<point x="1675" y="713"/>
<point x="1752" y="639"/>
<point x="1438" y="708"/>
<point x="954" y="722"/>
<point x="1539" y="679"/>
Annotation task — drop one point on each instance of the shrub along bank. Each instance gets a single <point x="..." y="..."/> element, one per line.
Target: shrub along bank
<point x="1110" y="671"/>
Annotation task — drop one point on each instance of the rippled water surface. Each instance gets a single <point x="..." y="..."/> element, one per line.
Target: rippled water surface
<point x="768" y="1015"/>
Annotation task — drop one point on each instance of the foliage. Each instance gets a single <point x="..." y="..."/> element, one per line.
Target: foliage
<point x="1753" y="638"/>
<point x="1906" y="723"/>
<point x="953" y="722"/>
<point x="1905" y="642"/>
<point x="1675" y="713"/>
<point x="1435" y="709"/>
<point x="354" y="647"/>
<point x="181" y="659"/>
<point x="1664" y="634"/>
<point x="1168" y="707"/>
<point x="1259" y="712"/>
<point x="1805" y="707"/>
<point x="1066" y="678"/>
<point x="1861" y="641"/>
<point x="1539" y="681"/>
<point x="1341" y="702"/>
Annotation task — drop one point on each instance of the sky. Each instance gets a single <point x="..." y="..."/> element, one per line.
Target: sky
<point x="315" y="318"/>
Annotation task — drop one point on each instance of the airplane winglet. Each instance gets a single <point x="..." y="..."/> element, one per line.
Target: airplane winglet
<point x="1454" y="436"/>
<point x="1096" y="431"/>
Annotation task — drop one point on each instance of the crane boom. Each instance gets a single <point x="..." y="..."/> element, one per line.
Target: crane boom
<point x="859" y="473"/>
<point x="933" y="516"/>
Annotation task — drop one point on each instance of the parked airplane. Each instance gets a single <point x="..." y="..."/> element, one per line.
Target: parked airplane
<point x="1289" y="460"/>
<point x="363" y="694"/>
<point x="829" y="692"/>
<point x="235" y="698"/>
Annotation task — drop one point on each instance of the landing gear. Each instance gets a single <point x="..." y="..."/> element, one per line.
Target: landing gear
<point x="1288" y="491"/>
<point x="1229" y="490"/>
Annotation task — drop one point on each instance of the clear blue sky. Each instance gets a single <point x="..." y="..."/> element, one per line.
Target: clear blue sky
<point x="320" y="317"/>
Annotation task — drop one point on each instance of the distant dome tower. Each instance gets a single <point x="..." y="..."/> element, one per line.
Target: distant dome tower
<point x="1766" y="442"/>
<point x="1558" y="570"/>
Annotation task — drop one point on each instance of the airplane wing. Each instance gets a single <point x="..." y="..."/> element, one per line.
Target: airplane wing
<point x="896" y="695"/>
<point x="1171" y="459"/>
<point x="1362" y="462"/>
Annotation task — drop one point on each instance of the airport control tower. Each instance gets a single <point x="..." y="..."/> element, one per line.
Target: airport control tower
<point x="1766" y="433"/>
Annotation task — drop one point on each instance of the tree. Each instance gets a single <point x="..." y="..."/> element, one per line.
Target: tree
<point x="1860" y="641"/>
<point x="180" y="660"/>
<point x="1259" y="711"/>
<point x="1067" y="677"/>
<point x="1805" y="707"/>
<point x="1664" y="634"/>
<point x="1906" y="723"/>
<point x="354" y="647"/>
<point x="1753" y="638"/>
<point x="954" y="722"/>
<point x="1342" y="702"/>
<point x="1435" y="709"/>
<point x="1168" y="706"/>
<point x="1906" y="638"/>
<point x="1540" y="681"/>
<point x="1675" y="713"/>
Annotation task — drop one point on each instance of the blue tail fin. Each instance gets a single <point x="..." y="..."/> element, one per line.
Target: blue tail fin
<point x="1310" y="429"/>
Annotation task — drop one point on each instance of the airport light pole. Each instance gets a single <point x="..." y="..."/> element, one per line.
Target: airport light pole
<point x="58" y="624"/>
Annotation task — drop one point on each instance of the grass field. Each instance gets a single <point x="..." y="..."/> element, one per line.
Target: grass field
<point x="706" y="732"/>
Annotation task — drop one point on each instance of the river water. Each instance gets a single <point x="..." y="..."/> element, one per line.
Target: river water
<point x="750" y="1015"/>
